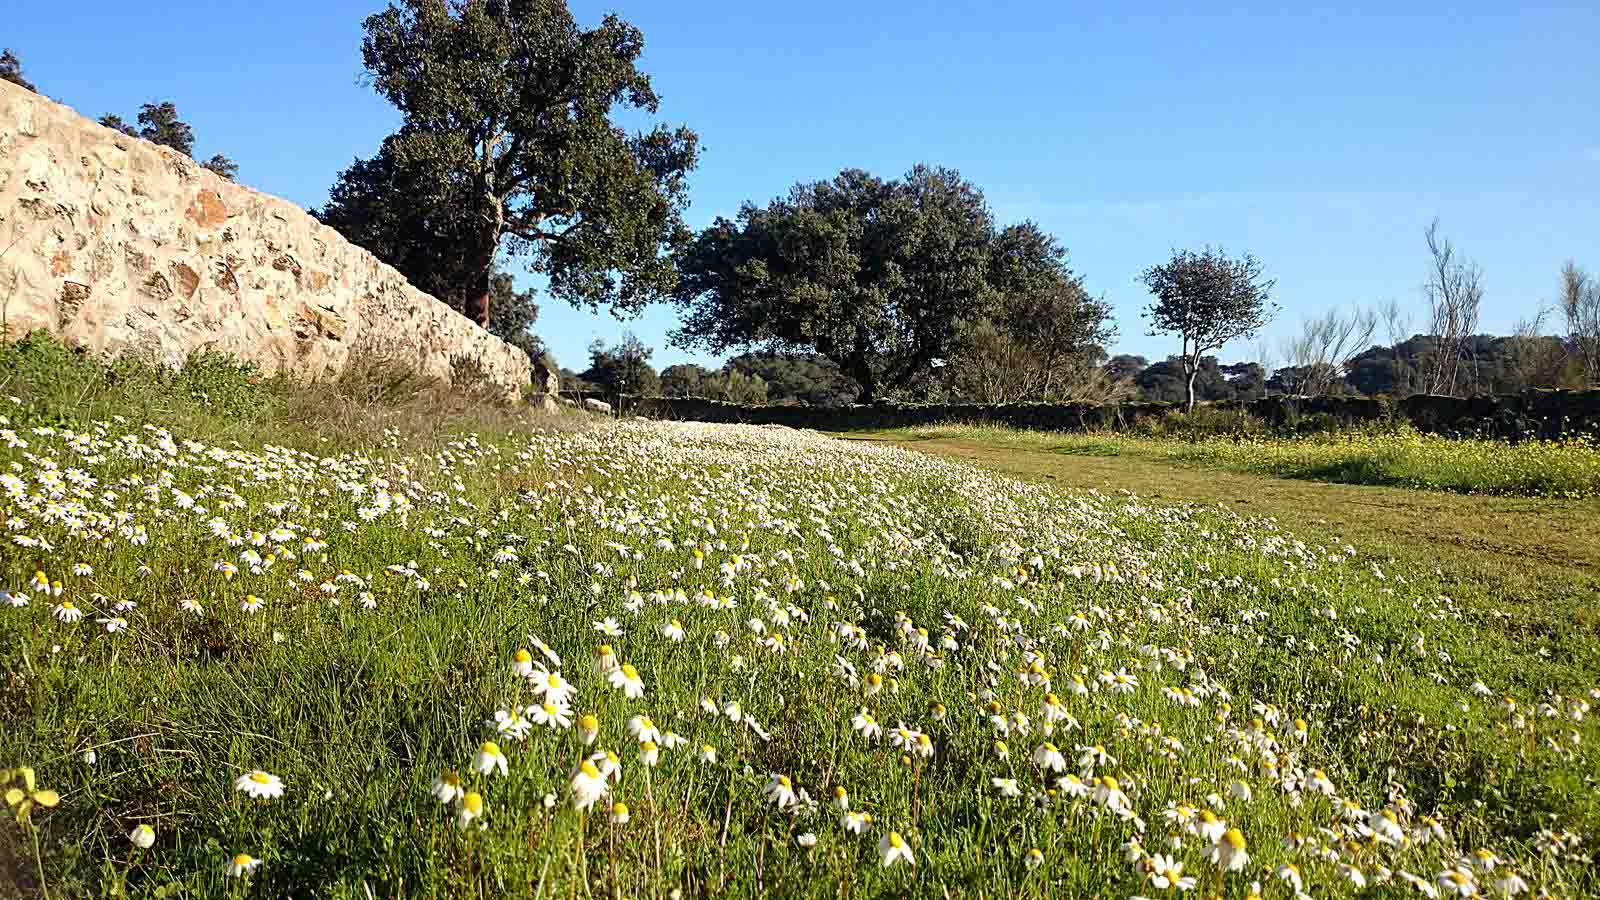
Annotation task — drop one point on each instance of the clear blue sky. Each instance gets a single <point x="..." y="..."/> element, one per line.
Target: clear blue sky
<point x="1321" y="141"/>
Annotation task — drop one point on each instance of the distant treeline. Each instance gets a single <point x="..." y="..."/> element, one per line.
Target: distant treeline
<point x="1490" y="365"/>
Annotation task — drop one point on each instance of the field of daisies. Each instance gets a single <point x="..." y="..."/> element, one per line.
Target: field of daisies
<point x="659" y="660"/>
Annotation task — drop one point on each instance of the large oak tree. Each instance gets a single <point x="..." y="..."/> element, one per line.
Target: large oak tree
<point x="507" y="109"/>
<point x="878" y="276"/>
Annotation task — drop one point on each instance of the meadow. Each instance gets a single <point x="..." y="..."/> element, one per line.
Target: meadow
<point x="1399" y="457"/>
<point x="251" y="651"/>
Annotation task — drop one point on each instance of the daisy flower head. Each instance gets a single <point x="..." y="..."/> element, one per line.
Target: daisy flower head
<point x="1228" y="851"/>
<point x="588" y="729"/>
<point x="892" y="848"/>
<point x="522" y="662"/>
<point x="259" y="785"/>
<point x="447" y="786"/>
<point x="626" y="679"/>
<point x="142" y="836"/>
<point x="489" y="759"/>
<point x="241" y="865"/>
<point x="588" y="785"/>
<point x="779" y="791"/>
<point x="469" y="807"/>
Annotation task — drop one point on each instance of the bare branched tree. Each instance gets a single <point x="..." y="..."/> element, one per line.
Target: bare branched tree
<point x="1396" y="321"/>
<point x="1317" y="359"/>
<point x="1455" y="293"/>
<point x="1580" y="304"/>
<point x="1532" y="359"/>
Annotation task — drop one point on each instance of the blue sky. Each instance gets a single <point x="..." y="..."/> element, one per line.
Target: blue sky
<point x="1322" y="141"/>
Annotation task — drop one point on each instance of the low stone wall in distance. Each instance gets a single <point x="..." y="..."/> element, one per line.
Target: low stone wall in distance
<point x="1543" y="414"/>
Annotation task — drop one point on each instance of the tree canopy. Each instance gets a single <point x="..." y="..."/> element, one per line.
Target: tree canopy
<point x="1207" y="299"/>
<point x="159" y="124"/>
<point x="11" y="70"/>
<point x="878" y="276"/>
<point x="507" y="108"/>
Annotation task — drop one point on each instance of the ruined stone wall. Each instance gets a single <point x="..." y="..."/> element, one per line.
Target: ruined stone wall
<point x="121" y="246"/>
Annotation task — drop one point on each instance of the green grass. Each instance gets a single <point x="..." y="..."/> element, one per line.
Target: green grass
<point x="401" y="574"/>
<point x="1400" y="458"/>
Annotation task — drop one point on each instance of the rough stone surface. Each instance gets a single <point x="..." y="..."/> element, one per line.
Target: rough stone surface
<point x="118" y="245"/>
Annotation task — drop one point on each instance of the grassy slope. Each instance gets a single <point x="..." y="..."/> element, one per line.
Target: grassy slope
<point x="359" y="709"/>
<point x="1536" y="558"/>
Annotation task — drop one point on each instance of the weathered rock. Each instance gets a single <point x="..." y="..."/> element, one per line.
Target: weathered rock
<point x="118" y="245"/>
<point x="599" y="406"/>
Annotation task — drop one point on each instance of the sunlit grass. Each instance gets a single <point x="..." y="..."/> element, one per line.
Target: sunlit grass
<point x="358" y="622"/>
<point x="1567" y="468"/>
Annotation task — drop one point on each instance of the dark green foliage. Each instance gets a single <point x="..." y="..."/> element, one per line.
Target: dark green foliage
<point x="807" y="378"/>
<point x="1166" y="381"/>
<point x="507" y="109"/>
<point x="159" y="124"/>
<point x="223" y="166"/>
<point x="623" y="369"/>
<point x="513" y="314"/>
<point x="11" y="70"/>
<point x="881" y="277"/>
<point x="115" y="122"/>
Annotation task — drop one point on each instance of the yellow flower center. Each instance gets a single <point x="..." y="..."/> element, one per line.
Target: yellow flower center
<point x="589" y="723"/>
<point x="260" y="777"/>
<point x="490" y="748"/>
<point x="629" y="672"/>
<point x="472" y="803"/>
<point x="1110" y="783"/>
<point x="243" y="859"/>
<point x="523" y="656"/>
<point x="605" y="650"/>
<point x="553" y="681"/>
<point x="549" y="709"/>
<point x="588" y="769"/>
<point x="784" y="780"/>
<point x="1234" y="838"/>
<point x="648" y="746"/>
<point x="895" y="840"/>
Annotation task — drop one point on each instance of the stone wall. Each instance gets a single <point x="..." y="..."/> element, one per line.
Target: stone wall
<point x="121" y="246"/>
<point x="1543" y="414"/>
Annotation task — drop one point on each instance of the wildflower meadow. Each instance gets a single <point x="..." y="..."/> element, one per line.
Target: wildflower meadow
<point x="649" y="659"/>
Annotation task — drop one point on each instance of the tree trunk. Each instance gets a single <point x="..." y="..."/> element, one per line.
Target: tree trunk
<point x="1194" y="372"/>
<point x="475" y="305"/>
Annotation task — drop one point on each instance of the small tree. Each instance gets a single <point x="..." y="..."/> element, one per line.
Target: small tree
<point x="222" y="166"/>
<point x="1207" y="299"/>
<point x="11" y="70"/>
<point x="159" y="124"/>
